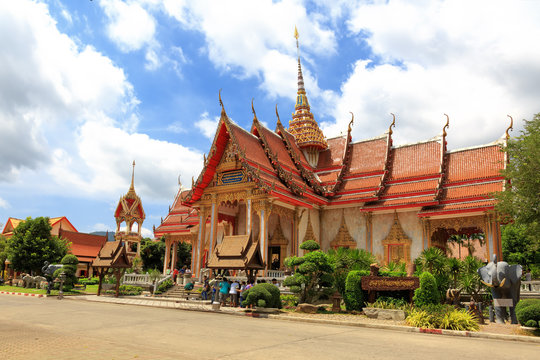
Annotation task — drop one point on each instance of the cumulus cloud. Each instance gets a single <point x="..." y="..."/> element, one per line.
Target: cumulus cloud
<point x="206" y="125"/>
<point x="4" y="204"/>
<point x="130" y="26"/>
<point x="107" y="153"/>
<point x="434" y="57"/>
<point x="261" y="42"/>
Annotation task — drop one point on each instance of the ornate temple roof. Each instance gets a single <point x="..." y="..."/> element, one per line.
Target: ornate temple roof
<point x="84" y="246"/>
<point x="129" y="206"/>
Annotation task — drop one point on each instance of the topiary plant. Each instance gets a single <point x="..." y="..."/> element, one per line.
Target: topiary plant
<point x="528" y="309"/>
<point x="427" y="293"/>
<point x="310" y="245"/>
<point x="531" y="323"/>
<point x="262" y="295"/>
<point x="354" y="296"/>
<point x="70" y="263"/>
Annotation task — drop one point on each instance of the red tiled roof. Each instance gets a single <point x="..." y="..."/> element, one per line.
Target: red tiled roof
<point x="411" y="187"/>
<point x="277" y="147"/>
<point x="472" y="190"/>
<point x="416" y="160"/>
<point x="368" y="156"/>
<point x="328" y="176"/>
<point x="477" y="163"/>
<point x="83" y="245"/>
<point x="416" y="200"/>
<point x="361" y="183"/>
<point x="333" y="156"/>
<point x="480" y="205"/>
<point x="294" y="147"/>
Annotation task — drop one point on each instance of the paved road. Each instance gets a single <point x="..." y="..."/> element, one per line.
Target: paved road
<point x="46" y="328"/>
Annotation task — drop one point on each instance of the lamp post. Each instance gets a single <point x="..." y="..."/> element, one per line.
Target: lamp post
<point x="62" y="278"/>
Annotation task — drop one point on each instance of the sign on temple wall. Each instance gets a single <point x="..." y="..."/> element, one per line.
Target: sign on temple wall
<point x="231" y="177"/>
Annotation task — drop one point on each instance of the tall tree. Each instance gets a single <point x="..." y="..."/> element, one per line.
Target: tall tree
<point x="520" y="202"/>
<point x="32" y="244"/>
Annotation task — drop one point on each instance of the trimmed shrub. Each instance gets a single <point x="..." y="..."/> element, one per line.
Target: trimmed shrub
<point x="528" y="309"/>
<point x="354" y="296"/>
<point x="395" y="273"/>
<point x="310" y="245"/>
<point x="130" y="290"/>
<point x="427" y="293"/>
<point x="262" y="295"/>
<point x="164" y="286"/>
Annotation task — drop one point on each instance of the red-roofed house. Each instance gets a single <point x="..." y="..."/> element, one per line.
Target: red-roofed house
<point x="85" y="247"/>
<point x="291" y="185"/>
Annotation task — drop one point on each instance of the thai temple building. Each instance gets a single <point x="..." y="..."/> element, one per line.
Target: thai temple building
<point x="291" y="184"/>
<point x="130" y="212"/>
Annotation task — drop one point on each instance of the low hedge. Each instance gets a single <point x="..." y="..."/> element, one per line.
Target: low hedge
<point x="427" y="293"/>
<point x="528" y="311"/>
<point x="127" y="290"/>
<point x="442" y="317"/>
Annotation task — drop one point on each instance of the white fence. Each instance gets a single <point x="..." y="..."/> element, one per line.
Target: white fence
<point x="140" y="279"/>
<point x="530" y="286"/>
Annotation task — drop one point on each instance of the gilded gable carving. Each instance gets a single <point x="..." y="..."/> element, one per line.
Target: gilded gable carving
<point x="310" y="234"/>
<point x="397" y="245"/>
<point x="277" y="237"/>
<point x="343" y="237"/>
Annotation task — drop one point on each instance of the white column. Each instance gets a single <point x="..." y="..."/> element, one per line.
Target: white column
<point x="263" y="236"/>
<point x="174" y="252"/>
<point x="248" y="216"/>
<point x="166" y="258"/>
<point x="213" y="228"/>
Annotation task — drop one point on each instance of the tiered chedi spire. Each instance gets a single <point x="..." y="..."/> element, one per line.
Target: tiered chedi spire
<point x="303" y="126"/>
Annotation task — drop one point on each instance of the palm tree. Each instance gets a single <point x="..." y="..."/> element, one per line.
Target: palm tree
<point x="454" y="267"/>
<point x="457" y="239"/>
<point x="433" y="260"/>
<point x="471" y="239"/>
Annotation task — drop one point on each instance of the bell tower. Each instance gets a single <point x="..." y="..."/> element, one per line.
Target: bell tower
<point x="309" y="137"/>
<point x="130" y="211"/>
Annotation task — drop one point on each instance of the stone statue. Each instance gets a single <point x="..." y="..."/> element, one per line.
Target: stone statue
<point x="28" y="281"/>
<point x="504" y="281"/>
<point x="48" y="270"/>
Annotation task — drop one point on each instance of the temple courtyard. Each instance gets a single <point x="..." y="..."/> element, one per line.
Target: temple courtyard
<point x="47" y="328"/>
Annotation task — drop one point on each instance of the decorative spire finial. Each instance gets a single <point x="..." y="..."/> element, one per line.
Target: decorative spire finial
<point x="447" y="125"/>
<point x="351" y="122"/>
<point x="511" y="127"/>
<point x="278" y="120"/>
<point x="132" y="187"/>
<point x="253" y="110"/>
<point x="221" y="104"/>
<point x="393" y="124"/>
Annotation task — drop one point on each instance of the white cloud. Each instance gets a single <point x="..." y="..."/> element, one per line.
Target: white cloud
<point x="48" y="85"/>
<point x="107" y="153"/>
<point x="4" y="204"/>
<point x="260" y="43"/>
<point x="130" y="26"/>
<point x="207" y="126"/>
<point x="476" y="61"/>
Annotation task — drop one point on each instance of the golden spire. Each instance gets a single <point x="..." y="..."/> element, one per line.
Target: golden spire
<point x="303" y="126"/>
<point x="447" y="125"/>
<point x="131" y="190"/>
<point x="390" y="132"/>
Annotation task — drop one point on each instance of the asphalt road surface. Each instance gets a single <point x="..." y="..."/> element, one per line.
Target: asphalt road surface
<point x="47" y="328"/>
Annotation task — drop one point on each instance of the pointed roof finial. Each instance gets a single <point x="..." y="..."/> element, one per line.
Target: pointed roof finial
<point x="393" y="124"/>
<point x="511" y="127"/>
<point x="253" y="110"/>
<point x="351" y="122"/>
<point x="132" y="187"/>
<point x="278" y="120"/>
<point x="223" y="113"/>
<point x="447" y="125"/>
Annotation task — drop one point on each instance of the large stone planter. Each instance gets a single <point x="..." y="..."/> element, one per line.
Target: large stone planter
<point x="384" y="314"/>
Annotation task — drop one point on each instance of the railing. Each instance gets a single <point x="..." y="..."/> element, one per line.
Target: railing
<point x="530" y="286"/>
<point x="157" y="283"/>
<point x="140" y="279"/>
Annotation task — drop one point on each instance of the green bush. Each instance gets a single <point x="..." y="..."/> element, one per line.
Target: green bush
<point x="442" y="317"/>
<point x="394" y="273"/>
<point x="89" y="281"/>
<point x="130" y="290"/>
<point x="528" y="309"/>
<point x="384" y="302"/>
<point x="427" y="293"/>
<point x="289" y="301"/>
<point x="354" y="296"/>
<point x="310" y="245"/>
<point x="531" y="323"/>
<point x="164" y="286"/>
<point x="262" y="295"/>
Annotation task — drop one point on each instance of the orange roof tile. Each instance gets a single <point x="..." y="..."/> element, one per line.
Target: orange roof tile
<point x="416" y="160"/>
<point x="333" y="156"/>
<point x="473" y="190"/>
<point x="411" y="187"/>
<point x="84" y="245"/>
<point x="480" y="205"/>
<point x="361" y="183"/>
<point x="477" y="163"/>
<point x="368" y="156"/>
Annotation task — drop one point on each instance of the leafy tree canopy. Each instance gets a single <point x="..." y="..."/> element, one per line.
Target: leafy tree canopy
<point x="32" y="244"/>
<point x="520" y="202"/>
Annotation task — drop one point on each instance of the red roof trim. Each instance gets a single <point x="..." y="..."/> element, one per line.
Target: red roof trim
<point x="449" y="212"/>
<point x="415" y="194"/>
<point x="475" y="181"/>
<point x="357" y="191"/>
<point x="468" y="199"/>
<point x="414" y="179"/>
<point x="391" y="207"/>
<point x="331" y="168"/>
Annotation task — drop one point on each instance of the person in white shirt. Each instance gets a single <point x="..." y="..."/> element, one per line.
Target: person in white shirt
<point x="234" y="293"/>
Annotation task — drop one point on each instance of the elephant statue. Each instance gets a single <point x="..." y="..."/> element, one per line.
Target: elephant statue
<point x="28" y="281"/>
<point x="38" y="280"/>
<point x="48" y="270"/>
<point x="505" y="282"/>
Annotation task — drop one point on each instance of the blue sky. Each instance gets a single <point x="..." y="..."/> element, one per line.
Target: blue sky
<point x="86" y="87"/>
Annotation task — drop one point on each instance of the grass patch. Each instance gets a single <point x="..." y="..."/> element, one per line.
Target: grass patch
<point x="90" y="289"/>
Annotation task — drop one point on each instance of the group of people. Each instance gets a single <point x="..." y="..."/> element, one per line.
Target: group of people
<point x="227" y="292"/>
